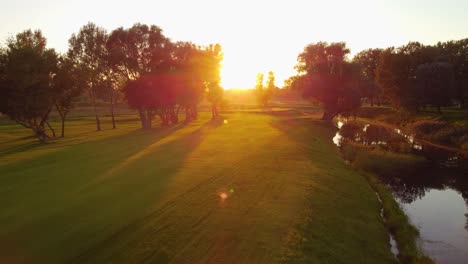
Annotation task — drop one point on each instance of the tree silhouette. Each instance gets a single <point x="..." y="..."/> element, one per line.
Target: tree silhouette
<point x="368" y="60"/>
<point x="331" y="79"/>
<point x="456" y="53"/>
<point x="144" y="57"/>
<point x="87" y="50"/>
<point x="259" y="89"/>
<point x="68" y="85"/>
<point x="212" y="77"/>
<point x="26" y="70"/>
<point x="436" y="83"/>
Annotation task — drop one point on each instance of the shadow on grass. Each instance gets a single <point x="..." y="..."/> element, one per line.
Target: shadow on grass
<point x="61" y="188"/>
<point x="139" y="186"/>
<point x="20" y="148"/>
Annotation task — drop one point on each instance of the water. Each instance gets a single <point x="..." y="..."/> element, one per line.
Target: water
<point x="434" y="196"/>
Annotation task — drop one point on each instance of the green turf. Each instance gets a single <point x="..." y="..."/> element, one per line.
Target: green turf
<point x="133" y="196"/>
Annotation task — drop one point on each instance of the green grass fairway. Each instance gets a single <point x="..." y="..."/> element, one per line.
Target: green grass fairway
<point x="133" y="196"/>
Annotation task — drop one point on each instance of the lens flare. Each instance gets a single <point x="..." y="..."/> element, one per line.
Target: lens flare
<point x="223" y="196"/>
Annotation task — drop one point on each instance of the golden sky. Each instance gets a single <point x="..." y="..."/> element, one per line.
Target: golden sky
<point x="257" y="36"/>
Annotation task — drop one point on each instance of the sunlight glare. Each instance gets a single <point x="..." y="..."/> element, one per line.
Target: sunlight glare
<point x="223" y="196"/>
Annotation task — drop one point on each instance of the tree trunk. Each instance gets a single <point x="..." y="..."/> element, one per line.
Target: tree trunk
<point x="143" y="118"/>
<point x="213" y="111"/>
<point x="63" y="126"/>
<point x="149" y="119"/>
<point x="194" y="112"/>
<point x="51" y="129"/>
<point x="93" y="100"/>
<point x="327" y="116"/>
<point x="40" y="133"/>
<point x="112" y="109"/>
<point x="174" y="116"/>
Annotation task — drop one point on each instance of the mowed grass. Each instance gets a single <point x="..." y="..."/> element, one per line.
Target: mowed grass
<point x="133" y="196"/>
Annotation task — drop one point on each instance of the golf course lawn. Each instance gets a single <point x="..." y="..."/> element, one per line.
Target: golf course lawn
<point x="252" y="188"/>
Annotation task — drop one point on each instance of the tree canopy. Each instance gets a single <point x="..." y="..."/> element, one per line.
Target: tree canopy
<point x="325" y="75"/>
<point x="26" y="71"/>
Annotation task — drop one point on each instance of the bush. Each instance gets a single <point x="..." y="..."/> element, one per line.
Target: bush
<point x="426" y="127"/>
<point x="376" y="160"/>
<point x="441" y="132"/>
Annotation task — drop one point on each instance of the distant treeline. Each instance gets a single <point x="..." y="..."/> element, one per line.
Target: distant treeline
<point x="410" y="77"/>
<point x="157" y="77"/>
<point x="162" y="78"/>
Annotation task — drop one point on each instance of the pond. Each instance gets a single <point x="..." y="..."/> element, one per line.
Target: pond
<point x="434" y="196"/>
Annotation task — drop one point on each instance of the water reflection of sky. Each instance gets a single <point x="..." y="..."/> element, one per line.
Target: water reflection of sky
<point x="435" y="197"/>
<point x="439" y="215"/>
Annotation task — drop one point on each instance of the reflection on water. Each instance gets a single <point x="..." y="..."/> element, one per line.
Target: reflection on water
<point x="396" y="140"/>
<point x="435" y="197"/>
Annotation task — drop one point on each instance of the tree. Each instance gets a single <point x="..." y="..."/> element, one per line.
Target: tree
<point x="270" y="88"/>
<point x="331" y="79"/>
<point x="215" y="96"/>
<point x="456" y="53"/>
<point x="154" y="95"/>
<point x="67" y="87"/>
<point x="296" y="82"/>
<point x="436" y="82"/>
<point x="138" y="54"/>
<point x="397" y="70"/>
<point x="368" y="60"/>
<point x="26" y="71"/>
<point x="88" y="51"/>
<point x="259" y="88"/>
<point x="394" y="75"/>
<point x="212" y="77"/>
<point x="193" y="64"/>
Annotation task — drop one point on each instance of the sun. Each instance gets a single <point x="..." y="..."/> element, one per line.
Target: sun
<point x="233" y="76"/>
<point x="240" y="67"/>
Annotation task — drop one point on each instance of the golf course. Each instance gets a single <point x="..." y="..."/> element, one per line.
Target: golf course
<point x="244" y="188"/>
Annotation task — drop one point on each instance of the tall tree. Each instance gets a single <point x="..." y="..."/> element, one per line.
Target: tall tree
<point x="394" y="76"/>
<point x="332" y="80"/>
<point x="26" y="71"/>
<point x="88" y="51"/>
<point x="259" y="88"/>
<point x="436" y="83"/>
<point x="456" y="53"/>
<point x="397" y="70"/>
<point x="270" y="88"/>
<point x="368" y="60"/>
<point x="138" y="52"/>
<point x="67" y="87"/>
<point x="212" y="77"/>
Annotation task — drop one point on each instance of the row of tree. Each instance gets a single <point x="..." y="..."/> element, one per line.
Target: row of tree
<point x="410" y="77"/>
<point x="264" y="92"/>
<point x="158" y="77"/>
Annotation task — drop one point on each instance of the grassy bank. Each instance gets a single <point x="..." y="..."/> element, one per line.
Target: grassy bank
<point x="450" y="127"/>
<point x="254" y="189"/>
<point x="372" y="161"/>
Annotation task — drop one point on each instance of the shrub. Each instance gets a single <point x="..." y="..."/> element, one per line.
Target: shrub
<point x="376" y="160"/>
<point x="425" y="127"/>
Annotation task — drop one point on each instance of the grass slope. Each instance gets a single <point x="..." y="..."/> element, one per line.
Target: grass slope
<point x="132" y="196"/>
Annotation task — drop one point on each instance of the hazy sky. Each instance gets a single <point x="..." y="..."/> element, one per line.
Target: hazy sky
<point x="257" y="36"/>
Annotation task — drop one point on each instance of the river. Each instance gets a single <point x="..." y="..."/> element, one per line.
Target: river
<point x="435" y="196"/>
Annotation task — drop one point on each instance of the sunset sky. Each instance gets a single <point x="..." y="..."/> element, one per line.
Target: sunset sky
<point x="257" y="36"/>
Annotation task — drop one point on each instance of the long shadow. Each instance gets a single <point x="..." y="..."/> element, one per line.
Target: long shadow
<point x="155" y="181"/>
<point x="58" y="142"/>
<point x="116" y="147"/>
<point x="111" y="205"/>
<point x="21" y="148"/>
<point x="17" y="139"/>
